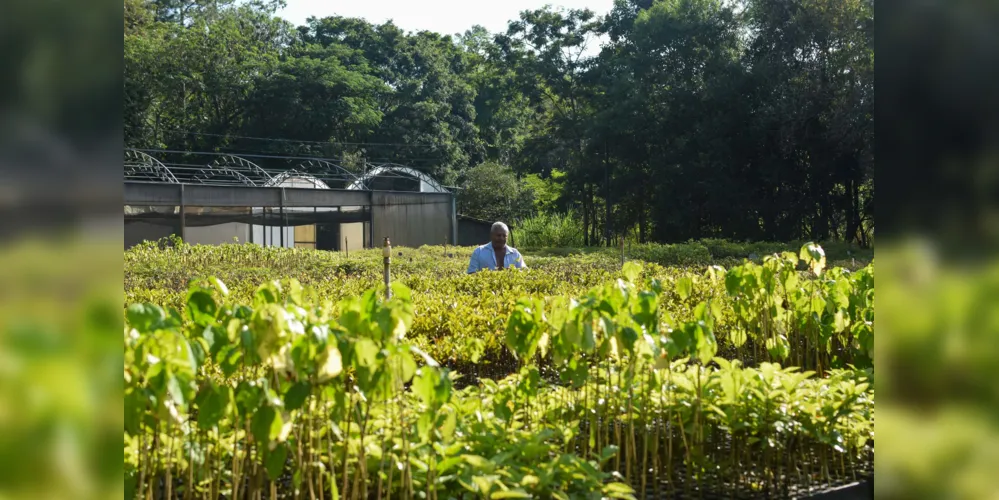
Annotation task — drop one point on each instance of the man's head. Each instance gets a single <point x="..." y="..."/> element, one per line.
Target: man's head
<point x="498" y="234"/>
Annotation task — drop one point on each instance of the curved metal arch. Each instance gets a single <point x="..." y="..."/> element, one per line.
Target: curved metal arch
<point x="139" y="165"/>
<point x="362" y="181"/>
<point x="330" y="173"/>
<point x="205" y="175"/>
<point x="251" y="170"/>
<point x="280" y="179"/>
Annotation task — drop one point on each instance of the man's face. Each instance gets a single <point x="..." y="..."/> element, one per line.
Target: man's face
<point x="499" y="238"/>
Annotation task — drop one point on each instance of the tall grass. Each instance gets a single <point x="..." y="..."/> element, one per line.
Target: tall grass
<point x="550" y="230"/>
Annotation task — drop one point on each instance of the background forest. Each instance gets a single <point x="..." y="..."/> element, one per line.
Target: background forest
<point x="665" y="120"/>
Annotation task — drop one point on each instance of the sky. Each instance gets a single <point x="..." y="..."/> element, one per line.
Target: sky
<point x="447" y="17"/>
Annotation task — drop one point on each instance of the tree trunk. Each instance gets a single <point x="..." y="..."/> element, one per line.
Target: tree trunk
<point x="593" y="215"/>
<point x="852" y="216"/>
<point x="607" y="199"/>
<point x="586" y="219"/>
<point x="641" y="214"/>
<point x="820" y="224"/>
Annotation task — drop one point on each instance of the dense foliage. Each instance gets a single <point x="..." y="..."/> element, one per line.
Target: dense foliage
<point x="696" y="118"/>
<point x="330" y="391"/>
<point x="548" y="229"/>
<point x="455" y="309"/>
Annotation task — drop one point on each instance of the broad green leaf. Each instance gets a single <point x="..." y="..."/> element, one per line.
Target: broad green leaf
<point x="332" y="364"/>
<point x="706" y="345"/>
<point x="219" y="285"/>
<point x="737" y="336"/>
<point x="427" y="384"/>
<point x="474" y="348"/>
<point x="266" y="293"/>
<point x="426" y="357"/>
<point x="589" y="340"/>
<point x="406" y="366"/>
<point x="175" y="390"/>
<point x="619" y="490"/>
<point x="516" y="493"/>
<point x="365" y="353"/>
<point x="275" y="460"/>
<point x="684" y="287"/>
<point x="201" y="307"/>
<point x="401" y="292"/>
<point x="447" y="424"/>
<point x="229" y="359"/>
<point x="269" y="328"/>
<point x="530" y="381"/>
<point x="645" y="310"/>
<point x="608" y="452"/>
<point x="262" y="422"/>
<point x="701" y="312"/>
<point x="840" y="321"/>
<point x="791" y="281"/>
<point x="249" y="397"/>
<point x="522" y="331"/>
<point x="425" y="427"/>
<point x="715" y="273"/>
<point x="814" y="256"/>
<point x="818" y="305"/>
<point x="484" y="484"/>
<point x="627" y="337"/>
<point x="296" y="395"/>
<point x="716" y="310"/>
<point x="631" y="271"/>
<point x="213" y="403"/>
<point x="144" y="317"/>
<point x="447" y="464"/>
<point x="477" y="462"/>
<point x="778" y="347"/>
<point x="733" y="281"/>
<point x="134" y="407"/>
<point x="216" y="339"/>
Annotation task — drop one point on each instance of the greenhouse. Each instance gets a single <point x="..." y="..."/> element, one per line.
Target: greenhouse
<point x="295" y="202"/>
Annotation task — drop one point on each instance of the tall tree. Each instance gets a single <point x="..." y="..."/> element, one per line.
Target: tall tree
<point x="548" y="49"/>
<point x="750" y="119"/>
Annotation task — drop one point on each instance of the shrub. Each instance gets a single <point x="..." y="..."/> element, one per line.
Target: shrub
<point x="550" y="230"/>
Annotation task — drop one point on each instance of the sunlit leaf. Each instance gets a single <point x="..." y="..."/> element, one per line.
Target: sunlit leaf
<point x="631" y="271"/>
<point x="684" y="287"/>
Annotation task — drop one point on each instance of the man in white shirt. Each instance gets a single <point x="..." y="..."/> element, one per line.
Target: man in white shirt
<point x="496" y="254"/>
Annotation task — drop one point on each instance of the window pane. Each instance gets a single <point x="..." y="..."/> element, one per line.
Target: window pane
<point x="305" y="233"/>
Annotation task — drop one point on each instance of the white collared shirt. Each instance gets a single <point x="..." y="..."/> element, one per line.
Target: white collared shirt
<point x="484" y="257"/>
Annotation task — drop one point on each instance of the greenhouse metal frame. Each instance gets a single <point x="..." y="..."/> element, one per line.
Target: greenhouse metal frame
<point x="233" y="198"/>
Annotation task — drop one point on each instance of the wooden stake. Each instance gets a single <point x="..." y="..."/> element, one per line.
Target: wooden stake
<point x="387" y="254"/>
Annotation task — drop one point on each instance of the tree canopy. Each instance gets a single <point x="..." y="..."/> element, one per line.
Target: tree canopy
<point x="746" y="119"/>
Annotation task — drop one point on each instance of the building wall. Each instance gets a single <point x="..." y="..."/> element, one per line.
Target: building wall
<point x="472" y="232"/>
<point x="411" y="219"/>
<point x="138" y="232"/>
<point x="217" y="234"/>
<point x="352" y="236"/>
<point x="270" y="236"/>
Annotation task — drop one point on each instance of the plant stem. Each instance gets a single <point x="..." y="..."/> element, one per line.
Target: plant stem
<point x="143" y="462"/>
<point x="645" y="425"/>
<point x="346" y="441"/>
<point x="169" y="476"/>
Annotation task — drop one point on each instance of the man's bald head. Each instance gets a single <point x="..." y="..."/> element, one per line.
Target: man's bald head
<point x="498" y="234"/>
